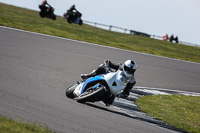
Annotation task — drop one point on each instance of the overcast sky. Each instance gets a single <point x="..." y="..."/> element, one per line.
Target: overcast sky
<point x="155" y="17"/>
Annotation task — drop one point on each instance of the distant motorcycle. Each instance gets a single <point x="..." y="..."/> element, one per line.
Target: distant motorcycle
<point x="73" y="17"/>
<point x="47" y="12"/>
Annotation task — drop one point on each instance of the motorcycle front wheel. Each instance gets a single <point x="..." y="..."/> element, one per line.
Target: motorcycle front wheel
<point x="70" y="91"/>
<point x="42" y="14"/>
<point x="81" y="22"/>
<point x="91" y="95"/>
<point x="53" y="17"/>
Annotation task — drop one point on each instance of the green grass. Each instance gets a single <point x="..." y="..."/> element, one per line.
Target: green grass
<point x="15" y="126"/>
<point x="29" y="20"/>
<point x="180" y="111"/>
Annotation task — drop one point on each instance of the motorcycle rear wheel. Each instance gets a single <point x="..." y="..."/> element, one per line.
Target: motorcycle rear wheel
<point x="91" y="95"/>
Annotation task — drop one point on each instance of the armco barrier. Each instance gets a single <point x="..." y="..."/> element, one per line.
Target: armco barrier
<point x="111" y="27"/>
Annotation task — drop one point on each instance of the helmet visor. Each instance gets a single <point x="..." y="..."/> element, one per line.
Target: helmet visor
<point x="129" y="70"/>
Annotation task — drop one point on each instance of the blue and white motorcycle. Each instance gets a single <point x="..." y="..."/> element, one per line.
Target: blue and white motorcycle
<point x="98" y="88"/>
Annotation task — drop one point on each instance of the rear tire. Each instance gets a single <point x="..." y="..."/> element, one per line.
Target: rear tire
<point x="70" y="91"/>
<point x="92" y="95"/>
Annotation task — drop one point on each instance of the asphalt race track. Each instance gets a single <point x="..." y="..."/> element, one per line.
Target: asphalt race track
<point x="35" y="70"/>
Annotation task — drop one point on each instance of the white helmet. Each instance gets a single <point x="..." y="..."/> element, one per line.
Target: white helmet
<point x="129" y="68"/>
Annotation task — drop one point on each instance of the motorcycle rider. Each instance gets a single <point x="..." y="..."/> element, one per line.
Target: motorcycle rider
<point x="72" y="12"/>
<point x="45" y="10"/>
<point x="128" y="67"/>
<point x="44" y="2"/>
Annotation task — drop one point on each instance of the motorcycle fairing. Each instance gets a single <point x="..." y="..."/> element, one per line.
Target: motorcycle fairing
<point x="91" y="80"/>
<point x="115" y="81"/>
<point x="88" y="83"/>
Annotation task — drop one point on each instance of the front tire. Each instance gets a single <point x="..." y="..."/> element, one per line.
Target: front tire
<point x="42" y="14"/>
<point x="81" y="22"/>
<point x="70" y="91"/>
<point x="91" y="95"/>
<point x="54" y="17"/>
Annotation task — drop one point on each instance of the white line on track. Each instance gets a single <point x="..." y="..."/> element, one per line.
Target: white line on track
<point x="93" y="44"/>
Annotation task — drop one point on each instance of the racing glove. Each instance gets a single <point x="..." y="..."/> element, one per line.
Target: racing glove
<point x="107" y="63"/>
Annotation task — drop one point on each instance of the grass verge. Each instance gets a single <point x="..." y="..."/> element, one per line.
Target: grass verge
<point x="29" y="20"/>
<point x="15" y="126"/>
<point x="178" y="110"/>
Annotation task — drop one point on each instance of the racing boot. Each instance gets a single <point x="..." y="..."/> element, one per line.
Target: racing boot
<point x="86" y="76"/>
<point x="109" y="100"/>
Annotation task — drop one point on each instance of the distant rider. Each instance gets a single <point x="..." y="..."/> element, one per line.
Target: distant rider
<point x="43" y="6"/>
<point x="44" y="2"/>
<point x="72" y="12"/>
<point x="45" y="9"/>
<point x="129" y="67"/>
